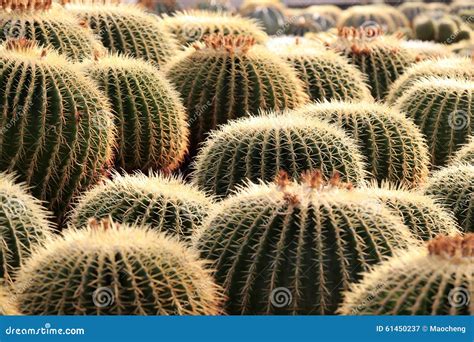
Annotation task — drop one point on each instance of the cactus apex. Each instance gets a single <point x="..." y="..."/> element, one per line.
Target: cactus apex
<point x="230" y="43"/>
<point x="452" y="246"/>
<point x="26" y="5"/>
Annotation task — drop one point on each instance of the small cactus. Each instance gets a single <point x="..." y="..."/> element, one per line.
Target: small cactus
<point x="443" y="109"/>
<point x="325" y="74"/>
<point x="412" y="9"/>
<point x="270" y="16"/>
<point x="465" y="154"/>
<point x="112" y="269"/>
<point x="434" y="280"/>
<point x="305" y="241"/>
<point x="230" y="77"/>
<point x="164" y="203"/>
<point x="393" y="146"/>
<point x="23" y="225"/>
<point x="453" y="188"/>
<point x="150" y="118"/>
<point x="57" y="129"/>
<point x="257" y="148"/>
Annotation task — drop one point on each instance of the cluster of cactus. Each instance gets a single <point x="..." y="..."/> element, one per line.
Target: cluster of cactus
<point x="446" y="29"/>
<point x="257" y="148"/>
<point x="150" y="119"/>
<point x="228" y="77"/>
<point x="164" y="203"/>
<point x="387" y="18"/>
<point x="432" y="280"/>
<point x="306" y="242"/>
<point x="108" y="268"/>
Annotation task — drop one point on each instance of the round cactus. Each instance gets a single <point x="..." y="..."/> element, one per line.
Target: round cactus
<point x="453" y="187"/>
<point x="165" y="203"/>
<point x="112" y="269"/>
<point x="331" y="11"/>
<point x="127" y="29"/>
<point x="465" y="154"/>
<point x="453" y="67"/>
<point x="23" y="225"/>
<point x="259" y="147"/>
<point x="380" y="57"/>
<point x="269" y="15"/>
<point x="47" y="25"/>
<point x="386" y="18"/>
<point x="444" y="29"/>
<point x="151" y="121"/>
<point x="393" y="146"/>
<point x="230" y="77"/>
<point x="192" y="26"/>
<point x="7" y="303"/>
<point x="434" y="280"/>
<point x="325" y="74"/>
<point x="57" y="131"/>
<point x="412" y="9"/>
<point x="303" y="242"/>
<point x="442" y="108"/>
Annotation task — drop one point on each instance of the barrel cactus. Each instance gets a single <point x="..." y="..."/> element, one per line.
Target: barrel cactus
<point x="444" y="29"/>
<point x="112" y="269"/>
<point x="465" y="154"/>
<point x="127" y="29"/>
<point x="259" y="147"/>
<point x="453" y="187"/>
<point x="393" y="146"/>
<point x="194" y="25"/>
<point x="23" y="225"/>
<point x="229" y="77"/>
<point x="386" y="18"/>
<point x="452" y="67"/>
<point x="330" y="11"/>
<point x="57" y="130"/>
<point x="380" y="57"/>
<point x="289" y="248"/>
<point x="443" y="109"/>
<point x="270" y="16"/>
<point x="412" y="9"/>
<point x="164" y="203"/>
<point x="325" y="74"/>
<point x="150" y="118"/>
<point x="434" y="280"/>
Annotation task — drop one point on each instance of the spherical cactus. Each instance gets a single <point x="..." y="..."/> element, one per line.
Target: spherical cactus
<point x="365" y="16"/>
<point x="112" y="269"/>
<point x="258" y="148"/>
<point x="230" y="77"/>
<point x="293" y="248"/>
<point x="47" y="25"/>
<point x="379" y="57"/>
<point x="149" y="115"/>
<point x="393" y="146"/>
<point x="433" y="280"/>
<point x="442" y="29"/>
<point x="7" y="303"/>
<point x="325" y="74"/>
<point x="164" y="203"/>
<point x="443" y="109"/>
<point x="465" y="154"/>
<point x="453" y="67"/>
<point x="330" y="11"/>
<point x="23" y="225"/>
<point x="127" y="29"/>
<point x="453" y="187"/>
<point x="57" y="130"/>
<point x="191" y="26"/>
<point x="412" y="9"/>
<point x="269" y="16"/>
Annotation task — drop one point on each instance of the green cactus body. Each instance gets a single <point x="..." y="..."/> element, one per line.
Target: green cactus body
<point x="230" y="77"/>
<point x="192" y="26"/>
<point x="393" y="146"/>
<point x="57" y="130"/>
<point x="47" y="26"/>
<point x="379" y="57"/>
<point x="453" y="187"/>
<point x="465" y="154"/>
<point x="325" y="74"/>
<point x="269" y="16"/>
<point x="443" y="109"/>
<point x="128" y="30"/>
<point x="150" y="119"/>
<point x="453" y="67"/>
<point x="165" y="203"/>
<point x="23" y="225"/>
<point x="112" y="269"/>
<point x="386" y="18"/>
<point x="444" y="29"/>
<point x="433" y="280"/>
<point x="257" y="148"/>
<point x="307" y="242"/>
<point x="412" y="9"/>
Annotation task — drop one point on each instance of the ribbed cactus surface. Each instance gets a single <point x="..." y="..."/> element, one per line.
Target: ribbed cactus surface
<point x="290" y="248"/>
<point x="112" y="269"/>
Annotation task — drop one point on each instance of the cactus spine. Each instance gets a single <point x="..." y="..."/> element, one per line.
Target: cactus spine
<point x="150" y="119"/>
<point x="7" y="304"/>
<point x="57" y="130"/>
<point x="112" y="269"/>
<point x="309" y="240"/>
<point x="257" y="148"/>
<point x="465" y="154"/>
<point x="437" y="280"/>
<point x="165" y="203"/>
